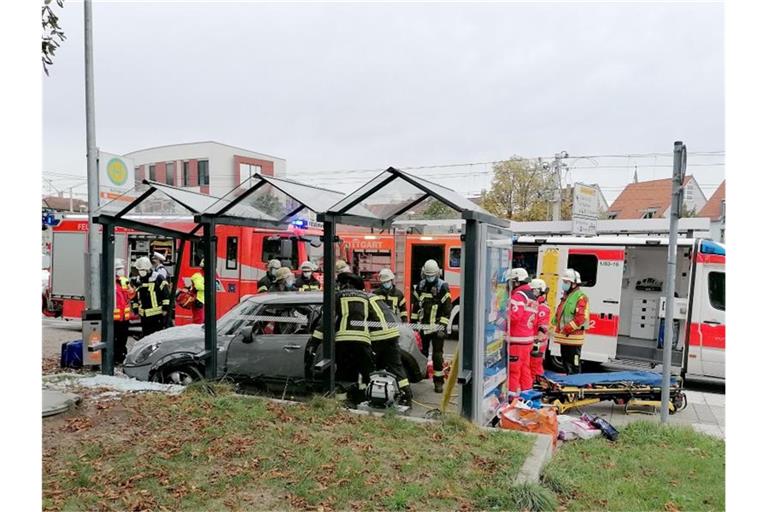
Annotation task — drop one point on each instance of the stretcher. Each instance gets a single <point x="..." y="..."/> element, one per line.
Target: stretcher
<point x="637" y="391"/>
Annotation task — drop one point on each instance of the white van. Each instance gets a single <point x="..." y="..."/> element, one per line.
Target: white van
<point x="623" y="277"/>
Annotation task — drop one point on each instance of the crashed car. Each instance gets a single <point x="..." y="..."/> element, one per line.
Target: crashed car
<point x="263" y="340"/>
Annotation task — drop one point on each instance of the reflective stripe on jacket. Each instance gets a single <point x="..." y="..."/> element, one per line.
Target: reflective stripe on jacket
<point x="431" y="304"/>
<point x="572" y="315"/>
<point x="351" y="323"/>
<point x="265" y="282"/>
<point x="522" y="316"/>
<point x="307" y="285"/>
<point x="152" y="296"/>
<point x="396" y="300"/>
<point x="382" y="323"/>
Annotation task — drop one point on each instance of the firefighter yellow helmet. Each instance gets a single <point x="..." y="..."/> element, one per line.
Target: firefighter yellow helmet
<point x="307" y="266"/>
<point x="143" y="263"/>
<point x="283" y="273"/>
<point x="430" y="268"/>
<point x="274" y="264"/>
<point x="342" y="266"/>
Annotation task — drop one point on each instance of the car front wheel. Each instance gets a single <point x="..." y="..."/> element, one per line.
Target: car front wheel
<point x="182" y="375"/>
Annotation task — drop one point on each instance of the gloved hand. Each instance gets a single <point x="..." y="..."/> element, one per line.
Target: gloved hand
<point x="441" y="334"/>
<point x="166" y="308"/>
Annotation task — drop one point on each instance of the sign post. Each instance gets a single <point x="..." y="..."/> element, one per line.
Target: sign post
<point x="585" y="210"/>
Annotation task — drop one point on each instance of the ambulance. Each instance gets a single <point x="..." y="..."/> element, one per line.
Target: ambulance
<point x="624" y="279"/>
<point x="243" y="254"/>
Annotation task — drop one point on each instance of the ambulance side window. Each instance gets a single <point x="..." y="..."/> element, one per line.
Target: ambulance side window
<point x="195" y="253"/>
<point x="586" y="266"/>
<point x="454" y="258"/>
<point x="717" y="290"/>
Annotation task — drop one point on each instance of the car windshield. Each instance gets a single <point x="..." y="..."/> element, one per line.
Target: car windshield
<point x="240" y="316"/>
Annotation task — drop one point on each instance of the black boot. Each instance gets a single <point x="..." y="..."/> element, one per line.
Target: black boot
<point x="438" y="386"/>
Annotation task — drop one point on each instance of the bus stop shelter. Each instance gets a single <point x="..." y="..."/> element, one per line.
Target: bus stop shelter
<point x="377" y="204"/>
<point x="261" y="201"/>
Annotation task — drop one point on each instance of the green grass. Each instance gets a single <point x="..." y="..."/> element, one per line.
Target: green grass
<point x="213" y="450"/>
<point x="651" y="467"/>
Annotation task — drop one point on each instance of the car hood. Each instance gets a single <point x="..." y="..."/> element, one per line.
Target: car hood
<point x="185" y="338"/>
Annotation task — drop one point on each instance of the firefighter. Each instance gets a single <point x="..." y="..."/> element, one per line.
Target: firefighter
<point x="198" y="289"/>
<point x="541" y="327"/>
<point x="571" y="321"/>
<point x="521" y="325"/>
<point x="269" y="279"/>
<point x="354" y="357"/>
<point x="284" y="281"/>
<point x="153" y="298"/>
<point x="341" y="267"/>
<point x="431" y="308"/>
<point x="391" y="294"/>
<point x="307" y="282"/>
<point x="158" y="266"/>
<point x="385" y="339"/>
<point x="124" y="292"/>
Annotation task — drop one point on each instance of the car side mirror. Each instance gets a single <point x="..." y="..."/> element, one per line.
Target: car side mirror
<point x="247" y="334"/>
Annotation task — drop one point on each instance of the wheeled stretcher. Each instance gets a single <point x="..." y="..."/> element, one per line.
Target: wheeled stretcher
<point x="638" y="391"/>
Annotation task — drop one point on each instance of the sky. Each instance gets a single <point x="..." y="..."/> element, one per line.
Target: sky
<point x="351" y="87"/>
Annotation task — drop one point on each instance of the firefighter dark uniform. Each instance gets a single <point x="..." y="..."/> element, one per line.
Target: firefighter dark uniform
<point x="385" y="339"/>
<point x="431" y="308"/>
<point x="396" y="301"/>
<point x="265" y="283"/>
<point x="153" y="302"/>
<point x="354" y="357"/>
<point x="303" y="284"/>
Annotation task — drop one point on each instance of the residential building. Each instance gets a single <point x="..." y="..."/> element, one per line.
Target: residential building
<point x="208" y="167"/>
<point x="714" y="209"/>
<point x="651" y="199"/>
<point x="64" y="204"/>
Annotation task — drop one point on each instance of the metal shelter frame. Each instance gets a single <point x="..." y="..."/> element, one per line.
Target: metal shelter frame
<point x="352" y="211"/>
<point x="205" y="211"/>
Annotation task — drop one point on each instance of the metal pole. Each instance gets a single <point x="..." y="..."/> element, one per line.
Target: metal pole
<point x="108" y="298"/>
<point x="92" y="296"/>
<point x="329" y="299"/>
<point x="467" y="318"/>
<point x="209" y="276"/>
<point x="674" y="214"/>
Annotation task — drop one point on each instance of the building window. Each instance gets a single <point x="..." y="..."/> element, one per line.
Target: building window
<point x="649" y="214"/>
<point x="586" y="266"/>
<point x="196" y="253"/>
<point x="248" y="171"/>
<point x="185" y="174"/>
<point x="717" y="290"/>
<point x="231" y="253"/>
<point x="152" y="173"/>
<point x="170" y="173"/>
<point x="202" y="172"/>
<point x="612" y="215"/>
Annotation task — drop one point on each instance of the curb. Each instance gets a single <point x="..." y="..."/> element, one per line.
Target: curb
<point x="541" y="453"/>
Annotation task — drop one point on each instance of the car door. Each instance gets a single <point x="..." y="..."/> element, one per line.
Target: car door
<point x="277" y="345"/>
<point x="707" y="327"/>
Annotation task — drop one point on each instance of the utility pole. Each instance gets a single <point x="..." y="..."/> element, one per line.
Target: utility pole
<point x="678" y="172"/>
<point x="556" y="204"/>
<point x="93" y="297"/>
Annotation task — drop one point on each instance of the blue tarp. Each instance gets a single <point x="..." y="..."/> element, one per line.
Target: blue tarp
<point x="584" y="379"/>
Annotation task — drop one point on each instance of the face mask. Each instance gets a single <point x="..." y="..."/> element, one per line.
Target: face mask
<point x="143" y="273"/>
<point x="307" y="274"/>
<point x="565" y="286"/>
<point x="431" y="279"/>
<point x="289" y="283"/>
<point x="387" y="285"/>
<point x="273" y="272"/>
<point x="120" y="272"/>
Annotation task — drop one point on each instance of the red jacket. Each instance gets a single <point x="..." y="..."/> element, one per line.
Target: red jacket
<point x="543" y="314"/>
<point x="123" y="294"/>
<point x="522" y="315"/>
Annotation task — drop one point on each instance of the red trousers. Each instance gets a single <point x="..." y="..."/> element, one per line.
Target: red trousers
<point x="198" y="314"/>
<point x="519" y="369"/>
<point x="537" y="363"/>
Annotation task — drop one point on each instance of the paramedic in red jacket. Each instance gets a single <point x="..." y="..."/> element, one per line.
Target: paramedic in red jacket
<point x="124" y="292"/>
<point x="541" y="327"/>
<point x="522" y="319"/>
<point x="571" y="321"/>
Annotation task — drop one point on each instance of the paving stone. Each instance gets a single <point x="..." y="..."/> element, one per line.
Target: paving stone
<point x="695" y="397"/>
<point x="715" y="399"/>
<point x="705" y="414"/>
<point x="712" y="430"/>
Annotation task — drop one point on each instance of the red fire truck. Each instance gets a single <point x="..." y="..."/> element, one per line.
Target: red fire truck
<point x="242" y="257"/>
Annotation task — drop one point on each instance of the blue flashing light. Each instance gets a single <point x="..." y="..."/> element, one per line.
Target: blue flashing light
<point x="300" y="223"/>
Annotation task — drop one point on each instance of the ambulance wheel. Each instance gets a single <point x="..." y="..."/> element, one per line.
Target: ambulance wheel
<point x="182" y="375"/>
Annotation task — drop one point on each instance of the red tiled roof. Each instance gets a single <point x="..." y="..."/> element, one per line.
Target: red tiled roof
<point x="712" y="208"/>
<point x="62" y="203"/>
<point x="637" y="198"/>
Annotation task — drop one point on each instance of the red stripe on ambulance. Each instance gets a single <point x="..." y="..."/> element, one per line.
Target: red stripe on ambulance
<point x="602" y="254"/>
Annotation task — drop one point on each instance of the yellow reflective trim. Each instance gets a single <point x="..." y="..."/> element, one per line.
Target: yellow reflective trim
<point x="403" y="383"/>
<point x="438" y="374"/>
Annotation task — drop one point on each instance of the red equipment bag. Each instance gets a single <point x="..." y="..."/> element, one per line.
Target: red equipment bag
<point x="185" y="299"/>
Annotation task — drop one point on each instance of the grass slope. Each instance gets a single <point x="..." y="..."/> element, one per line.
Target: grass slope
<point x="651" y="467"/>
<point x="201" y="452"/>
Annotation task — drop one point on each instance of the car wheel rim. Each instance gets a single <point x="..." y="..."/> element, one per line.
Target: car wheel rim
<point x="180" y="377"/>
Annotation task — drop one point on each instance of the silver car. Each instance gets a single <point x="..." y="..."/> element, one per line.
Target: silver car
<point x="263" y="340"/>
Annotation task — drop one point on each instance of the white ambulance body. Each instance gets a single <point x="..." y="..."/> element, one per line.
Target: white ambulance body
<point x="623" y="277"/>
